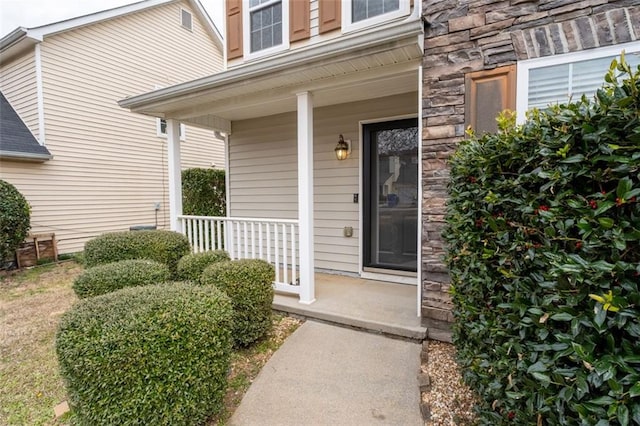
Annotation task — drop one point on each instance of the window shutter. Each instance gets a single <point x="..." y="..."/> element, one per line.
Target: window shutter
<point x="330" y="11"/>
<point x="300" y="20"/>
<point x="487" y="93"/>
<point x="234" y="29"/>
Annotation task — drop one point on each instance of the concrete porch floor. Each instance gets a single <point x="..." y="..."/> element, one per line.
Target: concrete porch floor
<point x="371" y="305"/>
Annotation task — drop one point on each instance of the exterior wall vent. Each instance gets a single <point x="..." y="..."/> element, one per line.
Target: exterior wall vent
<point x="185" y="19"/>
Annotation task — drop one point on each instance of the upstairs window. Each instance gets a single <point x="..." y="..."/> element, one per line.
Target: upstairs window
<point x="365" y="9"/>
<point x="266" y="26"/>
<point x="564" y="78"/>
<point x="364" y="13"/>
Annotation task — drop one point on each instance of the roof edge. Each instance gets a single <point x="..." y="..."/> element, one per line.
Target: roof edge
<point x="211" y="26"/>
<point x="23" y="156"/>
<point x="56" y="27"/>
<point x="38" y="33"/>
<point x="13" y="38"/>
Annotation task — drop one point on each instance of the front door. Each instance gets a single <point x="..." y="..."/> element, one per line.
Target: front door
<point x="391" y="195"/>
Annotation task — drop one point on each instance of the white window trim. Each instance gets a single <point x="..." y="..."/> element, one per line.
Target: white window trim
<point x="182" y="9"/>
<point x="183" y="130"/>
<point x="522" y="74"/>
<point x="246" y="32"/>
<point x="348" y="26"/>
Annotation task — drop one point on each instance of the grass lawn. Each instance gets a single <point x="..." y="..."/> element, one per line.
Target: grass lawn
<point x="31" y="303"/>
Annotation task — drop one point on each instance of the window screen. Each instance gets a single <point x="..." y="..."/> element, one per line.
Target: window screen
<point x="563" y="82"/>
<point x="365" y="9"/>
<point x="266" y="24"/>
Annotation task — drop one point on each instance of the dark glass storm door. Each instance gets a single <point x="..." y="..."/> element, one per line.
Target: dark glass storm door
<point x="391" y="195"/>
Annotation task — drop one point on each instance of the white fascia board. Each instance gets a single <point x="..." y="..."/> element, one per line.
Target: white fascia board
<point x="13" y="38"/>
<point x="324" y="51"/>
<point x="16" y="42"/>
<point x="209" y="25"/>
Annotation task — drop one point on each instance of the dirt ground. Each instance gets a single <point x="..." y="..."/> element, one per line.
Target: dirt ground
<point x="31" y="303"/>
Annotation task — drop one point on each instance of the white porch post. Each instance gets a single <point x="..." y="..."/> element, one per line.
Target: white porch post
<point x="175" y="174"/>
<point x="305" y="196"/>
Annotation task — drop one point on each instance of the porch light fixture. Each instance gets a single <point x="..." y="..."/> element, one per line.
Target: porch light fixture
<point x="342" y="149"/>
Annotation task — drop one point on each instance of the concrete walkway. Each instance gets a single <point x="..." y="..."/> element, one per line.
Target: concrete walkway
<point x="329" y="375"/>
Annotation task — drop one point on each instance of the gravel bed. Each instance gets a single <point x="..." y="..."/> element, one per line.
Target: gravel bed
<point x="450" y="401"/>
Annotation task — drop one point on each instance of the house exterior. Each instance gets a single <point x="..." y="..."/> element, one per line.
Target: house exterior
<point x="100" y="168"/>
<point x="300" y="76"/>
<point x="392" y="85"/>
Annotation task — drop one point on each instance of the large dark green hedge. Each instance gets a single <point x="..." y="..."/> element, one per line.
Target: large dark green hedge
<point x="102" y="279"/>
<point x="162" y="246"/>
<point x="191" y="266"/>
<point x="203" y="192"/>
<point x="249" y="284"/>
<point x="543" y="230"/>
<point x="15" y="219"/>
<point x="154" y="355"/>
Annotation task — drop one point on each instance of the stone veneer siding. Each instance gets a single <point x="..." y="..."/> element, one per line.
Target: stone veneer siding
<point x="463" y="36"/>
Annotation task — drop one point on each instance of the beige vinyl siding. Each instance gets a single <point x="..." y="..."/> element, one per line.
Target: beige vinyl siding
<point x="19" y="86"/>
<point x="110" y="166"/>
<point x="263" y="172"/>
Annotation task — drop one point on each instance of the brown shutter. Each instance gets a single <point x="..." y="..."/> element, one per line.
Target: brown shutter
<point x="487" y="93"/>
<point x="234" y="29"/>
<point x="299" y="20"/>
<point x="330" y="12"/>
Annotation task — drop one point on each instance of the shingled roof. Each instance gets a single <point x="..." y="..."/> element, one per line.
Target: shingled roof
<point x="16" y="141"/>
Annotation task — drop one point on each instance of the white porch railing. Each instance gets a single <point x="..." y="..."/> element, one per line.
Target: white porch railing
<point x="273" y="240"/>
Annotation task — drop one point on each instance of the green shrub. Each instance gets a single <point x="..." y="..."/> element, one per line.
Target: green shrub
<point x="249" y="284"/>
<point x="191" y="266"/>
<point x="203" y="192"/>
<point x="156" y="355"/>
<point x="162" y="246"/>
<point x="15" y="219"/>
<point x="114" y="276"/>
<point x="542" y="231"/>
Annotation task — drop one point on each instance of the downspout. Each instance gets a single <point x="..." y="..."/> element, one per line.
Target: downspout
<point x="420" y="194"/>
<point x="227" y="153"/>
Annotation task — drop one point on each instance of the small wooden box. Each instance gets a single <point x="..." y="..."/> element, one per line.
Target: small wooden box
<point x="36" y="247"/>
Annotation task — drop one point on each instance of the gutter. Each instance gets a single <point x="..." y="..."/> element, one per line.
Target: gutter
<point x="14" y="37"/>
<point x="316" y="53"/>
<point x="23" y="156"/>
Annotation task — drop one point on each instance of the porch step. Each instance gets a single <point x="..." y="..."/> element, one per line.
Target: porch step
<point x="370" y="305"/>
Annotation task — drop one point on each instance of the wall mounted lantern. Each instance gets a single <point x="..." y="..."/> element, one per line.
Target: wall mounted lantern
<point x="342" y="149"/>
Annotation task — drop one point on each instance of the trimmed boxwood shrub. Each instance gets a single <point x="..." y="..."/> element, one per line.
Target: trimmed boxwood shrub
<point x="162" y="246"/>
<point x="191" y="266"/>
<point x="15" y="219"/>
<point x="543" y="224"/>
<point x="156" y="355"/>
<point x="110" y="277"/>
<point x="249" y="284"/>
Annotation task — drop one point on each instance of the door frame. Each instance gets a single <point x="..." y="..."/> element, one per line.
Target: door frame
<point x="389" y="275"/>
